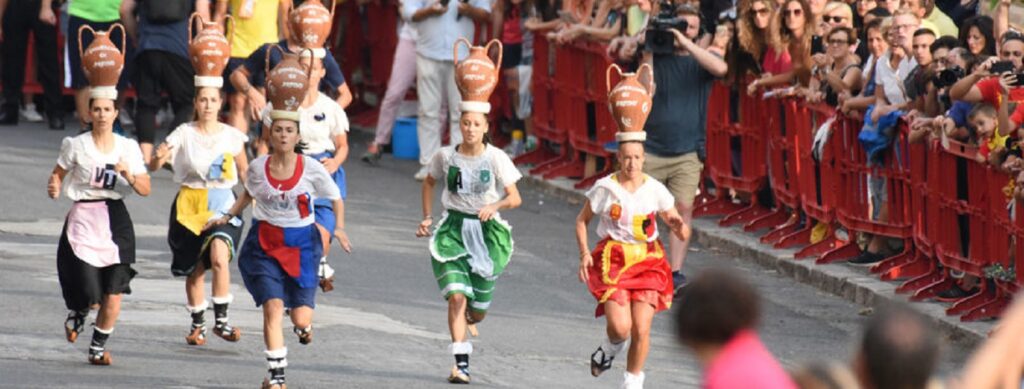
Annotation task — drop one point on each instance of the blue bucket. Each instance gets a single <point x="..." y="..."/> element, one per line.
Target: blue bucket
<point x="404" y="142"/>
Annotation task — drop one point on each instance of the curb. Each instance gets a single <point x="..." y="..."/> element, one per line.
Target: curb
<point x="845" y="281"/>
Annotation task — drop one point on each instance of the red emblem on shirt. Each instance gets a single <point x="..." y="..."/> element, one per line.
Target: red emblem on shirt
<point x="616" y="212"/>
<point x="304" y="204"/>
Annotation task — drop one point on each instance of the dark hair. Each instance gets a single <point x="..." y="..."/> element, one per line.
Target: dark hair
<point x="899" y="349"/>
<point x="875" y="24"/>
<point x="944" y="42"/>
<point x="880" y="12"/>
<point x="985" y="109"/>
<point x="714" y="307"/>
<point x="984" y="24"/>
<point x="924" y="31"/>
<point x="300" y="146"/>
<point x="1010" y="35"/>
<point x="851" y="38"/>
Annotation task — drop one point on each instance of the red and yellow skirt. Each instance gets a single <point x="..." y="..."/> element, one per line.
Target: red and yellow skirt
<point x="630" y="272"/>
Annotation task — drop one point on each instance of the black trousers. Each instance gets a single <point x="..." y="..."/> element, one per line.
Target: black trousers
<point x="21" y="18"/>
<point x="161" y="71"/>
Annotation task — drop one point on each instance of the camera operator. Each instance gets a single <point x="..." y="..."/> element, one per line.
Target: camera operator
<point x="683" y="74"/>
<point x="991" y="85"/>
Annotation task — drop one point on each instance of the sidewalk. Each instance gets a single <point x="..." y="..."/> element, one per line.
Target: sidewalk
<point x="846" y="281"/>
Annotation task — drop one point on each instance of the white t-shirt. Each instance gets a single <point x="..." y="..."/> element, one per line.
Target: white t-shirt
<point x="891" y="80"/>
<point x="629" y="217"/>
<point x="91" y="174"/>
<point x="471" y="183"/>
<point x="318" y="125"/>
<point x="193" y="152"/>
<point x="289" y="203"/>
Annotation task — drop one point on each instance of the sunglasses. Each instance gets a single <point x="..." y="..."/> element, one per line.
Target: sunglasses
<point x="793" y="12"/>
<point x="760" y="11"/>
<point x="833" y="19"/>
<point x="838" y="42"/>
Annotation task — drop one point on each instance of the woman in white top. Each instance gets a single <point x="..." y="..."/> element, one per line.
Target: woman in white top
<point x="280" y="256"/>
<point x="323" y="126"/>
<point x="627" y="273"/>
<point x="97" y="244"/>
<point x="207" y="157"/>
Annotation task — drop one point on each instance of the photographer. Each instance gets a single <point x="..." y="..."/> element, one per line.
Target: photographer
<point x="683" y="74"/>
<point x="984" y="85"/>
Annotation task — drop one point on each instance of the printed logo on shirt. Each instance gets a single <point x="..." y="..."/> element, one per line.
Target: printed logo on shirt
<point x="455" y="179"/>
<point x="103" y="177"/>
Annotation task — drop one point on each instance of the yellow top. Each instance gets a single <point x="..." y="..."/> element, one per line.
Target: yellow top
<point x="255" y="25"/>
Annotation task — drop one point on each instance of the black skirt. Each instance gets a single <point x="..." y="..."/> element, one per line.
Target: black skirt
<point x="84" y="285"/>
<point x="187" y="248"/>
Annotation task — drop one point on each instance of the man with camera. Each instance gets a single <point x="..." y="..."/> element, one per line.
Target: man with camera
<point x="439" y="25"/>
<point x="997" y="80"/>
<point x="683" y="74"/>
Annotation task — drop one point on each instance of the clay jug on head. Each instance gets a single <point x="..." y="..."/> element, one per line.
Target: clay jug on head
<point x="288" y="83"/>
<point x="311" y="22"/>
<point x="477" y="75"/>
<point x="102" y="61"/>
<point x="630" y="99"/>
<point x="210" y="49"/>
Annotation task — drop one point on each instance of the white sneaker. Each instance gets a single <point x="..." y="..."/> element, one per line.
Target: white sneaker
<point x="631" y="381"/>
<point x="125" y="118"/>
<point x="30" y="114"/>
<point x="422" y="174"/>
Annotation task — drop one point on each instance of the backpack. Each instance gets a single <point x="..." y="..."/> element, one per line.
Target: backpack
<point x="165" y="11"/>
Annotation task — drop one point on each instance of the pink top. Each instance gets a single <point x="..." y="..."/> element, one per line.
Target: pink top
<point x="745" y="363"/>
<point x="776" y="63"/>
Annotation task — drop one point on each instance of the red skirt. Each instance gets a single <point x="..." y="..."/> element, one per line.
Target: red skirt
<point x="624" y="272"/>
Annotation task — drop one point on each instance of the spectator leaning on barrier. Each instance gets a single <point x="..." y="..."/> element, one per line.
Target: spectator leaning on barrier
<point x="916" y="83"/>
<point x="876" y="46"/>
<point x="675" y="128"/>
<point x="862" y="50"/>
<point x="755" y="19"/>
<point x="161" y="37"/>
<point x="899" y="350"/>
<point x="790" y="37"/>
<point x="609" y="22"/>
<point x="19" y="18"/>
<point x="439" y="25"/>
<point x="984" y="86"/>
<point x="837" y="72"/>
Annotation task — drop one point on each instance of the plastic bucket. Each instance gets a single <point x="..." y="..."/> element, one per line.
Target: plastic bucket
<point x="404" y="142"/>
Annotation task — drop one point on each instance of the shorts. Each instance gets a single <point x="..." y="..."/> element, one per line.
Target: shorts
<point x="458" y="277"/>
<point x="512" y="56"/>
<point x="74" y="60"/>
<point x="233" y="63"/>
<point x="680" y="174"/>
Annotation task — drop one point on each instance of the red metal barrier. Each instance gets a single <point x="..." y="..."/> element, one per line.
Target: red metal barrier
<point x="735" y="156"/>
<point x="818" y="180"/>
<point x="783" y="171"/>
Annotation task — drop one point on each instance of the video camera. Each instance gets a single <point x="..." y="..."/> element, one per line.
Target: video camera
<point x="658" y="39"/>
<point x="948" y="77"/>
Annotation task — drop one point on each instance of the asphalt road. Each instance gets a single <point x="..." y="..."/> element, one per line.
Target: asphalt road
<point x="384" y="326"/>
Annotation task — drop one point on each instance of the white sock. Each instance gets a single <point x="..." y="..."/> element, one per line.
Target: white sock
<point x="277" y="358"/>
<point x="223" y="300"/>
<point x="457" y="348"/>
<point x="103" y="331"/>
<point x="633" y="381"/>
<point x="612" y="349"/>
<point x="199" y="308"/>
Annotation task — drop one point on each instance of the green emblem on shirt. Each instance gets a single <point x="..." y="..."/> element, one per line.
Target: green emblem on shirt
<point x="485" y="176"/>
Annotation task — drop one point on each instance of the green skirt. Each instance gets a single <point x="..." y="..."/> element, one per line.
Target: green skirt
<point x="469" y="255"/>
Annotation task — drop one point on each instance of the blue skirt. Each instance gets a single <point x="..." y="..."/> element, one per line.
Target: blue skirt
<point x="322" y="208"/>
<point x="281" y="264"/>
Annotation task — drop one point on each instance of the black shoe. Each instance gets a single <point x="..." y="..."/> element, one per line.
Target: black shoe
<point x="867" y="258"/>
<point x="9" y="115"/>
<point x="955" y="293"/>
<point x="373" y="159"/>
<point x="599" y="362"/>
<point x="56" y="122"/>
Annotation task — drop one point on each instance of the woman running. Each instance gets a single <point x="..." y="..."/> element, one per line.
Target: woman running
<point x="471" y="244"/>
<point x="97" y="244"/>
<point x="279" y="258"/>
<point x="207" y="158"/>
<point x="627" y="272"/>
